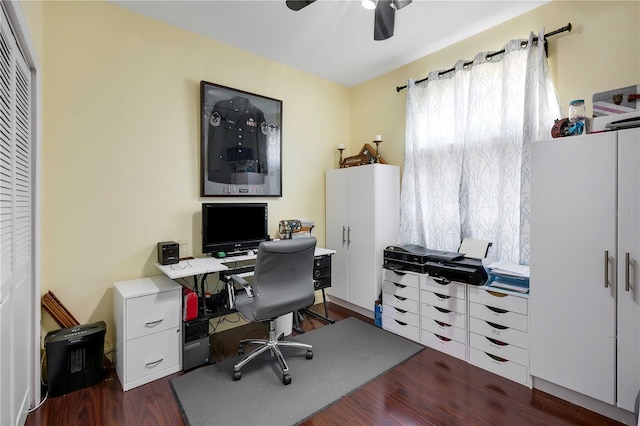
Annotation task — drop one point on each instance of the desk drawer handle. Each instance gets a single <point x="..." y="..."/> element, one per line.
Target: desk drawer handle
<point x="400" y="311"/>
<point x="444" y="311"/>
<point x="442" y="296"/>
<point x="400" y="322"/>
<point x="400" y="298"/>
<point x="399" y="285"/>
<point x="154" y="363"/>
<point x="497" y="310"/>
<point x="153" y="323"/>
<point x="441" y="324"/>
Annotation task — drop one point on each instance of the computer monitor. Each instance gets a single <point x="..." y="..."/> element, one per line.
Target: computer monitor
<point x="233" y="228"/>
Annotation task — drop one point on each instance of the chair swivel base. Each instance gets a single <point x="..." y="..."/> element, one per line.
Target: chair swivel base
<point x="273" y="345"/>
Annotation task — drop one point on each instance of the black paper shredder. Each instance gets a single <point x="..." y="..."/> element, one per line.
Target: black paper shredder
<point x="74" y="357"/>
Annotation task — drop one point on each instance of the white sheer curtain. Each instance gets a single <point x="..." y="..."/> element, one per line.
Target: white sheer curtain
<point x="466" y="170"/>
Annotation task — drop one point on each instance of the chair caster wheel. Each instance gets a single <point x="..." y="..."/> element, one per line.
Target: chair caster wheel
<point x="286" y="379"/>
<point x="237" y="375"/>
<point x="309" y="354"/>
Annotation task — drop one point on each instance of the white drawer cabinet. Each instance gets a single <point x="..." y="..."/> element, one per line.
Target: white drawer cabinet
<point x="443" y="316"/>
<point x="148" y="332"/>
<point x="401" y="304"/>
<point x="498" y="333"/>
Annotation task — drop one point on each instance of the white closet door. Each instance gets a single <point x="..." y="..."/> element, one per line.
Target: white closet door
<point x="362" y="250"/>
<point x="628" y="268"/>
<point x="573" y="225"/>
<point x="16" y="222"/>
<point x="337" y="221"/>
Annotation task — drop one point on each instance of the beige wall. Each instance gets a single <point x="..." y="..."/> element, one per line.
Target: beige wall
<point x="121" y="148"/>
<point x="601" y="53"/>
<point x="121" y="126"/>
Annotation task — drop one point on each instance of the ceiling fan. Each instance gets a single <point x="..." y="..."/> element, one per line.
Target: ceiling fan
<point x="384" y="19"/>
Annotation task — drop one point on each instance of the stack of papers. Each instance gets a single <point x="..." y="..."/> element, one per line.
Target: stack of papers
<point x="509" y="276"/>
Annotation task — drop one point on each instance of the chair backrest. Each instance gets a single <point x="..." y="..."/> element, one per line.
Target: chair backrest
<point x="283" y="277"/>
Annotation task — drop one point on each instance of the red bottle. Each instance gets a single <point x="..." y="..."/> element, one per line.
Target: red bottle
<point x="189" y="305"/>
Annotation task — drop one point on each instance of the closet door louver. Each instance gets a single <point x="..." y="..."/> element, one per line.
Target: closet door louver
<point x="16" y="227"/>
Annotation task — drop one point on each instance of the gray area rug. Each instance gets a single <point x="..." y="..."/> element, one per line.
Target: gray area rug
<point x="346" y="355"/>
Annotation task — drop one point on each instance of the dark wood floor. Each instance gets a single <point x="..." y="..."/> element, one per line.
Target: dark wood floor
<point x="429" y="389"/>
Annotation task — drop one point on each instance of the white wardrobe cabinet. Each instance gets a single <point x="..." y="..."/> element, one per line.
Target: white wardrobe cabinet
<point x="362" y="218"/>
<point x="585" y="252"/>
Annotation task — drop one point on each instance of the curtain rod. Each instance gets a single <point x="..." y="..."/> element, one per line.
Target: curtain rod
<point x="568" y="27"/>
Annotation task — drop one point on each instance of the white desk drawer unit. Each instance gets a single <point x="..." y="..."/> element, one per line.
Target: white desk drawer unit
<point x="148" y="332"/>
<point x="401" y="304"/>
<point x="443" y="316"/>
<point x="498" y="333"/>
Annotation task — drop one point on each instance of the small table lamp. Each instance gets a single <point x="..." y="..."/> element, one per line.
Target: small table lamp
<point x="378" y="141"/>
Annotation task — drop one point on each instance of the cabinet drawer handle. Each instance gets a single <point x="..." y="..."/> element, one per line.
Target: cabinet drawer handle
<point x="442" y="296"/>
<point x="400" y="298"/>
<point x="497" y="358"/>
<point x="495" y="342"/>
<point x="606" y="268"/>
<point x="399" y="273"/>
<point x="153" y="323"/>
<point x="627" y="261"/>
<point x="400" y="311"/>
<point x="444" y="339"/>
<point x="399" y="285"/>
<point x="497" y="310"/>
<point x="154" y="363"/>
<point x="344" y="229"/>
<point x="400" y="322"/>
<point x="498" y="326"/>
<point x="441" y="324"/>
<point x="444" y="311"/>
<point x="496" y="294"/>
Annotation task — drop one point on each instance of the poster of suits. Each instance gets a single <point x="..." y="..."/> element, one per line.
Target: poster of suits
<point x="240" y="150"/>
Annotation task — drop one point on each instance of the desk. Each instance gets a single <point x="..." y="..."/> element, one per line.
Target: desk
<point x="208" y="265"/>
<point x="202" y="266"/>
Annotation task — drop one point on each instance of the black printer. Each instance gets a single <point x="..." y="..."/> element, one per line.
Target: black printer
<point x="445" y="265"/>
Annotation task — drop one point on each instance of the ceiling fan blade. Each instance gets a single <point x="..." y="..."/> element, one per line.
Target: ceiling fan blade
<point x="399" y="4"/>
<point x="384" y="20"/>
<point x="298" y="4"/>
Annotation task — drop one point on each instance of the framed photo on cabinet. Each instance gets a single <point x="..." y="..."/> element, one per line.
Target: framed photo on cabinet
<point x="241" y="146"/>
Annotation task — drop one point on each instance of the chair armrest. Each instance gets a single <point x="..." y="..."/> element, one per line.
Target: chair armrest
<point x="238" y="279"/>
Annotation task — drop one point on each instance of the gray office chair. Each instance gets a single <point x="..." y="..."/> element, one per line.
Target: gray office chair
<point x="282" y="283"/>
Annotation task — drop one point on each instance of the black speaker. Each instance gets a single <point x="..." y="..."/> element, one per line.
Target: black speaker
<point x="168" y="253"/>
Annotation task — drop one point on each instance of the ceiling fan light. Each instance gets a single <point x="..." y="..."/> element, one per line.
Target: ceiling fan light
<point x="369" y="4"/>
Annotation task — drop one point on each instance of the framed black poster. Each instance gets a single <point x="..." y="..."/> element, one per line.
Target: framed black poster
<point x="241" y="146"/>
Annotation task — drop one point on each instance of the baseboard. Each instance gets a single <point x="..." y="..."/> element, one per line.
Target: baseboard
<point x="618" y="414"/>
<point x="365" y="312"/>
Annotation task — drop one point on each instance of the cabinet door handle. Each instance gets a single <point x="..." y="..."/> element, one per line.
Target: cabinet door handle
<point x="344" y="228"/>
<point x="348" y="236"/>
<point x="154" y="363"/>
<point x="627" y="261"/>
<point x="606" y="268"/>
<point x="153" y="323"/>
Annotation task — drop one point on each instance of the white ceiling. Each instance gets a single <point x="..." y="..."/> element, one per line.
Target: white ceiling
<point x="334" y="39"/>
